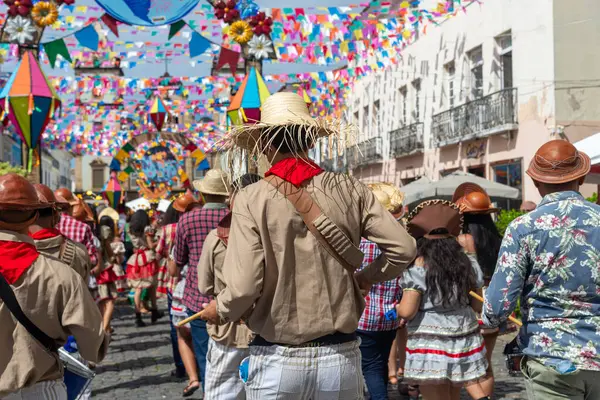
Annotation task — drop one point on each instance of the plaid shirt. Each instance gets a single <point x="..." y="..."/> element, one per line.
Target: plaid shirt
<point x="192" y="229"/>
<point x="381" y="298"/>
<point x="78" y="232"/>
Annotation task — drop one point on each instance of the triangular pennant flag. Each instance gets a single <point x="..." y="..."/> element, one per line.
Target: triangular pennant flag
<point x="228" y="57"/>
<point x="128" y="148"/>
<point x="111" y="24"/>
<point x="176" y="27"/>
<point x="55" y="48"/>
<point x="123" y="176"/>
<point x="198" y="44"/>
<point x="88" y="37"/>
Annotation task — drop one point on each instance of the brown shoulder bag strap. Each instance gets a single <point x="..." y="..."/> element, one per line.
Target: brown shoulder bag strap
<point x="309" y="210"/>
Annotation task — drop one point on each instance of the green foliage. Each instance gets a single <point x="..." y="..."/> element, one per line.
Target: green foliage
<point x="594" y="198"/>
<point x="505" y="218"/>
<point x="6" y="168"/>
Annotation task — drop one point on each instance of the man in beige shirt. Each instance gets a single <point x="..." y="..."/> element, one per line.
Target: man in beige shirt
<point x="50" y="294"/>
<point x="49" y="241"/>
<point x="302" y="303"/>
<point x="228" y="343"/>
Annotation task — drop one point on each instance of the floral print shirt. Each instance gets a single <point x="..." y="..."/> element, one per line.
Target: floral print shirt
<point x="550" y="260"/>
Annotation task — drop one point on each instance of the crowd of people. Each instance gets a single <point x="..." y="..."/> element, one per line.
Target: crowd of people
<point x="307" y="284"/>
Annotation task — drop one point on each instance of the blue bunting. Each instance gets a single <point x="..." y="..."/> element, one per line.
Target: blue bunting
<point x="88" y="37"/>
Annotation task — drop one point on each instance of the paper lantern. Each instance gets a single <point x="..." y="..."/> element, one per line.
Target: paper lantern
<point x="158" y="113"/>
<point x="112" y="191"/>
<point x="246" y="103"/>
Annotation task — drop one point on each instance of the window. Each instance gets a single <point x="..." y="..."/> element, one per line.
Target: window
<point x="133" y="177"/>
<point x="198" y="174"/>
<point x="504" y="43"/>
<point x="450" y="72"/>
<point x="98" y="177"/>
<point x="476" y="60"/>
<point x="375" y="117"/>
<point x="365" y="120"/>
<point x="356" y="119"/>
<point x="403" y="105"/>
<point x="417" y="103"/>
<point x="509" y="173"/>
<point x="479" y="171"/>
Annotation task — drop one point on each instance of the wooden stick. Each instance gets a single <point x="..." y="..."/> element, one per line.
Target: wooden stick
<point x="189" y="319"/>
<point x="511" y="318"/>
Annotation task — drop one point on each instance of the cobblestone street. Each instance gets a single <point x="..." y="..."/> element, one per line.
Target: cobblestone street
<point x="139" y="365"/>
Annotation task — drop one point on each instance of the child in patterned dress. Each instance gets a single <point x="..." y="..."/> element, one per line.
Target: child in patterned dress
<point x="445" y="349"/>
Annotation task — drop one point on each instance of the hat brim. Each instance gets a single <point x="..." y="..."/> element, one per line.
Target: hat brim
<point x="580" y="171"/>
<point x="24" y="207"/>
<point x="491" y="210"/>
<point x="199" y="186"/>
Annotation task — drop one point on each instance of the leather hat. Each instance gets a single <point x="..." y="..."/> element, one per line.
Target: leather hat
<point x="558" y="161"/>
<point x="67" y="195"/>
<point x="16" y="193"/>
<point x="473" y="199"/>
<point x="82" y="212"/>
<point x="185" y="202"/>
<point x="46" y="195"/>
<point x="433" y="215"/>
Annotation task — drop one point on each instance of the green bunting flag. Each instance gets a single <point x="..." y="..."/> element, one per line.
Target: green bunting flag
<point x="176" y="27"/>
<point x="55" y="48"/>
<point x="128" y="148"/>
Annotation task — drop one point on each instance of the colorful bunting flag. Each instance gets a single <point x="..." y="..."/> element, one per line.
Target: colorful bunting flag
<point x="55" y="48"/>
<point x="88" y="37"/>
<point x="198" y="44"/>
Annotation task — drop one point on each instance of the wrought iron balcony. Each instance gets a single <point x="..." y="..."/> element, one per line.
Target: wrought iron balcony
<point x="366" y="152"/>
<point x="406" y="140"/>
<point x="489" y="115"/>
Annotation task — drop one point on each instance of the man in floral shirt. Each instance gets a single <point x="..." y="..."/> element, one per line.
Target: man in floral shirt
<point x="550" y="260"/>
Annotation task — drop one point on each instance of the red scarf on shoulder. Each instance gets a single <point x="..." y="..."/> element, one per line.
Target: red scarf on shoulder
<point x="45" y="233"/>
<point x="295" y="170"/>
<point x="15" y="259"/>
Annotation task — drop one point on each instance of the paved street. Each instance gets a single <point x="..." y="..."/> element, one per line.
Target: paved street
<point x="139" y="364"/>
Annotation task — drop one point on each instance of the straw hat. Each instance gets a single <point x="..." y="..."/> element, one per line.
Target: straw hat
<point x="435" y="215"/>
<point x="215" y="182"/>
<point x="558" y="161"/>
<point x="109" y="212"/>
<point x="473" y="199"/>
<point x="67" y="195"/>
<point x="389" y="196"/>
<point x="280" y="110"/>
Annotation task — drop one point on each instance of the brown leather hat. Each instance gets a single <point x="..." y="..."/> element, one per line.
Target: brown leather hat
<point x="82" y="212"/>
<point x="558" y="161"/>
<point x="473" y="199"/>
<point x="46" y="195"/>
<point x="16" y="193"/>
<point x="433" y="215"/>
<point x="185" y="202"/>
<point x="67" y="195"/>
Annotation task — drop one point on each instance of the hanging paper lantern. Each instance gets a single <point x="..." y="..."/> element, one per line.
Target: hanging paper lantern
<point x="112" y="191"/>
<point x="158" y="113"/>
<point x="29" y="102"/>
<point x="245" y="105"/>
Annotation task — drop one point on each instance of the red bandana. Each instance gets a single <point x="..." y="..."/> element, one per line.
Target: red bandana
<point x="295" y="170"/>
<point x="46" y="233"/>
<point x="15" y="259"/>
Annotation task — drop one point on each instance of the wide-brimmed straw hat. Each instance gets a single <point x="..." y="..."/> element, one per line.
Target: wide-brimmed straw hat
<point x="185" y="202"/>
<point x="17" y="193"/>
<point x="67" y="195"/>
<point x="215" y="182"/>
<point x="434" y="215"/>
<point x="109" y="212"/>
<point x="389" y="196"/>
<point x="473" y="199"/>
<point x="280" y="110"/>
<point x="46" y="195"/>
<point x="558" y="161"/>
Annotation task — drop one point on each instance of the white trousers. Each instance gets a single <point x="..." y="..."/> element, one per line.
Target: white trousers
<point x="222" y="381"/>
<point x="309" y="373"/>
<point x="47" y="390"/>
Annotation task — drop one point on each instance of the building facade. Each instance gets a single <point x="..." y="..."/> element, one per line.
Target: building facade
<point x="479" y="93"/>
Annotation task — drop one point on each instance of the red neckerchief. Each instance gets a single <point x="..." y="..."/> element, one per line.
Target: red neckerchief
<point x="45" y="233"/>
<point x="15" y="259"/>
<point x="295" y="170"/>
<point x="223" y="229"/>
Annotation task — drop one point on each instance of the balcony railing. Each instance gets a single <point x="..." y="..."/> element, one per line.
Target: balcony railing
<point x="406" y="140"/>
<point x="483" y="117"/>
<point x="366" y="152"/>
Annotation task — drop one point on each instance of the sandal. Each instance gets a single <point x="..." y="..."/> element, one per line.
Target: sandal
<point x="190" y="390"/>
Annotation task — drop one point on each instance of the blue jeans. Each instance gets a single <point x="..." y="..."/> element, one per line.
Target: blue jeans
<point x="174" y="344"/>
<point x="200" y="344"/>
<point x="375" y="351"/>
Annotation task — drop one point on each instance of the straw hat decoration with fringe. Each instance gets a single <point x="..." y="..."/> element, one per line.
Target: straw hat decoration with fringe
<point x="280" y="111"/>
<point x="389" y="196"/>
<point x="215" y="182"/>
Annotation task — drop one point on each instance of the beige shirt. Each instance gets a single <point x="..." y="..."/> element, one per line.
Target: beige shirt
<point x="276" y="271"/>
<point x="81" y="261"/>
<point x="210" y="282"/>
<point x="55" y="299"/>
